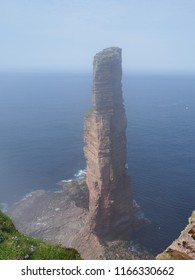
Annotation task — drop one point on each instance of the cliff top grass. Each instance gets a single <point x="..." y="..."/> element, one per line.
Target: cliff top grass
<point x="16" y="246"/>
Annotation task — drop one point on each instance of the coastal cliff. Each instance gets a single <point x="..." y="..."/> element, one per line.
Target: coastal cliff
<point x="183" y="248"/>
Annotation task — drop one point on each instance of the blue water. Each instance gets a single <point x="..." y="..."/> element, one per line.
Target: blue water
<point x="41" y="141"/>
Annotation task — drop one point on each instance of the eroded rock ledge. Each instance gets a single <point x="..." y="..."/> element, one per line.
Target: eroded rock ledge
<point x="60" y="216"/>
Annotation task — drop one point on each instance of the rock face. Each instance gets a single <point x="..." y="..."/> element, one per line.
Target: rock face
<point x="182" y="248"/>
<point x="110" y="199"/>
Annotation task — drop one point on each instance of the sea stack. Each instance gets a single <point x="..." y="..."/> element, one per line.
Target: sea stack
<point x="110" y="198"/>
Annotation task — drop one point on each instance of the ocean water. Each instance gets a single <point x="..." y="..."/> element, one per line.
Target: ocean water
<point x="41" y="142"/>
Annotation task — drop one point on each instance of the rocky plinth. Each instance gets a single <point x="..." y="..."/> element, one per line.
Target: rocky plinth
<point x="182" y="248"/>
<point x="110" y="198"/>
<point x="53" y="216"/>
<point x="59" y="217"/>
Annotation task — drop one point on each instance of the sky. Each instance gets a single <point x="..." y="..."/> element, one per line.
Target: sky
<point x="64" y="35"/>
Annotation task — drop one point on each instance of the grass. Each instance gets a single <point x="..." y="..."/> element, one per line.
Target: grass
<point x="16" y="246"/>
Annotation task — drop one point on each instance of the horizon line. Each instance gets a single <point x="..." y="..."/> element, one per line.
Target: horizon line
<point x="87" y="72"/>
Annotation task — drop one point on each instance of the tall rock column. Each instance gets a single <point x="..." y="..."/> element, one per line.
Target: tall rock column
<point x="110" y="198"/>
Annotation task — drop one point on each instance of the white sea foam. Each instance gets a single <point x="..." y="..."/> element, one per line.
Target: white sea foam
<point x="66" y="181"/>
<point x="3" y="206"/>
<point x="26" y="196"/>
<point x="80" y="174"/>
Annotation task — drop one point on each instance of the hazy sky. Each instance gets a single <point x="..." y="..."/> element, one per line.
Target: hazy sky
<point x="155" y="35"/>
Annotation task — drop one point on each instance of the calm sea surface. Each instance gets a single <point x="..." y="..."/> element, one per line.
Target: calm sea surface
<point x="41" y="141"/>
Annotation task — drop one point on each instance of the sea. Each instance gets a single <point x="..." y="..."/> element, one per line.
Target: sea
<point x="41" y="142"/>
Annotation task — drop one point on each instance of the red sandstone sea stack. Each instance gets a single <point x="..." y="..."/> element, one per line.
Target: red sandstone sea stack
<point x="110" y="198"/>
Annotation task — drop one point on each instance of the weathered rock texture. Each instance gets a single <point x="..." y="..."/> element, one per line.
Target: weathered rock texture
<point x="182" y="248"/>
<point x="53" y="216"/>
<point x="110" y="199"/>
<point x="59" y="217"/>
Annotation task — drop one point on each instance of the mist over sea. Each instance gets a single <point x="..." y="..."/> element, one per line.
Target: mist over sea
<point x="41" y="142"/>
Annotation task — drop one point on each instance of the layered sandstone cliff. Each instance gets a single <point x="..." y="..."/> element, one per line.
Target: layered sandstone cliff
<point x="110" y="199"/>
<point x="182" y="248"/>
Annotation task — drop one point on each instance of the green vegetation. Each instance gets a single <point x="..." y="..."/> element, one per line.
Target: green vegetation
<point x="89" y="112"/>
<point x="16" y="246"/>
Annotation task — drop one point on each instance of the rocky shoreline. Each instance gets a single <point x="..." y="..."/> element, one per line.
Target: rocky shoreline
<point x="59" y="217"/>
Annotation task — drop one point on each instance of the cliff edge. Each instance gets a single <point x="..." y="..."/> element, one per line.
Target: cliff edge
<point x="183" y="248"/>
<point x="16" y="246"/>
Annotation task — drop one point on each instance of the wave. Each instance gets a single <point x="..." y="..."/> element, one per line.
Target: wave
<point x="80" y="174"/>
<point x="3" y="207"/>
<point x="26" y="196"/>
<point x="66" y="181"/>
